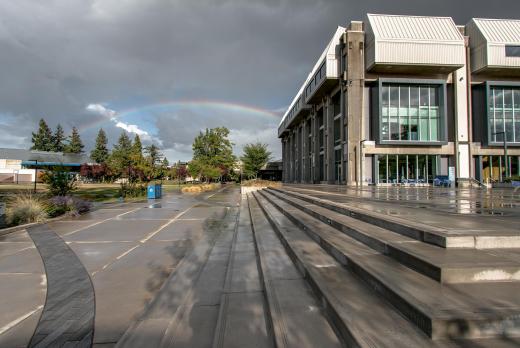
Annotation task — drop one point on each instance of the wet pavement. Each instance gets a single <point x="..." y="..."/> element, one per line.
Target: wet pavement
<point x="128" y="250"/>
<point x="489" y="211"/>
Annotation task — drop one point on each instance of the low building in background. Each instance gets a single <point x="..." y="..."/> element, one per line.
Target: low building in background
<point x="272" y="171"/>
<point x="20" y="165"/>
<point x="403" y="99"/>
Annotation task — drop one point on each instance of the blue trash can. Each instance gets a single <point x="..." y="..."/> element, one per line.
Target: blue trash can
<point x="154" y="191"/>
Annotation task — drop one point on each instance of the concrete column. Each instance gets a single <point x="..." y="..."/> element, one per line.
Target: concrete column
<point x="462" y="152"/>
<point x="316" y="146"/>
<point x="343" y="134"/>
<point x="304" y="151"/>
<point x="355" y="100"/>
<point x="284" y="160"/>
<point x="329" y="140"/>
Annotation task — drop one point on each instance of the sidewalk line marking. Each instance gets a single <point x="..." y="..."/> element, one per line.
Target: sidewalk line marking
<point x="145" y="239"/>
<point x="19" y="320"/>
<point x="127" y="252"/>
<point x="100" y="222"/>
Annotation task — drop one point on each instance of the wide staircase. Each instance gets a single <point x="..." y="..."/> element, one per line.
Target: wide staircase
<point x="300" y="271"/>
<point x="383" y="282"/>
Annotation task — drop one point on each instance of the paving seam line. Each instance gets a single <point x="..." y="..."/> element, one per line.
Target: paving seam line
<point x="218" y="337"/>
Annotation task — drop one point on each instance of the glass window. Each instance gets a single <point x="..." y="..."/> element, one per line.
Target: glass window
<point x="382" y="166"/>
<point x="410" y="113"/>
<point x="512" y="51"/>
<point x="336" y="104"/>
<point x="337" y="131"/>
<point x="504" y="114"/>
<point x="392" y="169"/>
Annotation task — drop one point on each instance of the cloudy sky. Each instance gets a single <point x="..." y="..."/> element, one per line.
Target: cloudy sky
<point x="165" y="69"/>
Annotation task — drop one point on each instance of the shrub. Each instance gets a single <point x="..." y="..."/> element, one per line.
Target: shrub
<point x="200" y="188"/>
<point x="60" y="205"/>
<point x="132" y="189"/>
<point x="60" y="183"/>
<point x="512" y="178"/>
<point x="25" y="208"/>
<point x="261" y="183"/>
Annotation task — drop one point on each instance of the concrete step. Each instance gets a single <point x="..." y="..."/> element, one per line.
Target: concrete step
<point x="473" y="310"/>
<point x="242" y="320"/>
<point x="297" y="319"/>
<point x="412" y="229"/>
<point x="361" y="316"/>
<point x="440" y="264"/>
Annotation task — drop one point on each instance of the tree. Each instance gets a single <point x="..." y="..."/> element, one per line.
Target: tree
<point x="163" y="168"/>
<point x="120" y="159"/>
<point x="178" y="172"/>
<point x="137" y="149"/>
<point x="153" y="158"/>
<point x="75" y="145"/>
<point x="213" y="151"/>
<point x="100" y="151"/>
<point x="58" y="139"/>
<point x="255" y="157"/>
<point x="42" y="140"/>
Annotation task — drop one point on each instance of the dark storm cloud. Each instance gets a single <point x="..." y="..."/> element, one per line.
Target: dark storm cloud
<point x="57" y="57"/>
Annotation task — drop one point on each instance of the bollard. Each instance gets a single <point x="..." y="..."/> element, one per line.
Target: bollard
<point x="2" y="215"/>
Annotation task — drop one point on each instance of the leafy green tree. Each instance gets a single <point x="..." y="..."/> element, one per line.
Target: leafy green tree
<point x="214" y="151"/>
<point x="255" y="157"/>
<point x="43" y="139"/>
<point x="100" y="151"/>
<point x="58" y="139"/>
<point x="75" y="144"/>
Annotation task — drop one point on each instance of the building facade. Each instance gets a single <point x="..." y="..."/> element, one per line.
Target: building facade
<point x="402" y="99"/>
<point x="21" y="166"/>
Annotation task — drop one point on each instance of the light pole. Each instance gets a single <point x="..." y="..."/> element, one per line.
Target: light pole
<point x="505" y="151"/>
<point x="35" y="174"/>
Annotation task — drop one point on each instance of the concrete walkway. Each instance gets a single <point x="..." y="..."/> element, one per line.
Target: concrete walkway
<point x="128" y="251"/>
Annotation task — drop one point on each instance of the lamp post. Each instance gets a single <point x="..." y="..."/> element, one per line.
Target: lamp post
<point x="505" y="151"/>
<point x="35" y="174"/>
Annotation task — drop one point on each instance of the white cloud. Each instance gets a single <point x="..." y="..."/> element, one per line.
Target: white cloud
<point x="112" y="115"/>
<point x="103" y="111"/>
<point x="133" y="128"/>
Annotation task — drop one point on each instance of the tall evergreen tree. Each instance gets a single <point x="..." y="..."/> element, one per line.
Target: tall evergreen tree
<point x="100" y="151"/>
<point x="42" y="140"/>
<point x="137" y="148"/>
<point x="121" y="158"/>
<point x="58" y="139"/>
<point x="75" y="145"/>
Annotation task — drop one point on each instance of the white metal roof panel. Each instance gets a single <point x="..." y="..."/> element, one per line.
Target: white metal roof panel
<point x="400" y="27"/>
<point x="501" y="31"/>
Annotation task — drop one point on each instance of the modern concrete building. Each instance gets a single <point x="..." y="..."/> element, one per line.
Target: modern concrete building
<point x="401" y="99"/>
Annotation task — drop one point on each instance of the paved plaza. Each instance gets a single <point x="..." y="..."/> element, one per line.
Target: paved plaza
<point x="296" y="266"/>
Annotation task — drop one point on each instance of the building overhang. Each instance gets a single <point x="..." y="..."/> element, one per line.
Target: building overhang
<point x="494" y="46"/>
<point x="324" y="88"/>
<point x="412" y="69"/>
<point x="413" y="44"/>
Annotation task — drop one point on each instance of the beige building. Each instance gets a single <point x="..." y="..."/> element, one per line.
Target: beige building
<point x="403" y="99"/>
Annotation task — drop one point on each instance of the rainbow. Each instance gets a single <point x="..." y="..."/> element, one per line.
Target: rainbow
<point x="246" y="110"/>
